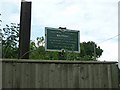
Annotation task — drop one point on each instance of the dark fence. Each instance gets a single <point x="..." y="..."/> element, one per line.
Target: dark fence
<point x="59" y="74"/>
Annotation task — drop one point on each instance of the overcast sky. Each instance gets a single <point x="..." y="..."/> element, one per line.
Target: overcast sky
<point x="97" y="20"/>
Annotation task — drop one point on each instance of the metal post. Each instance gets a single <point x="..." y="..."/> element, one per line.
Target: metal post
<point x="0" y="55"/>
<point x="94" y="52"/>
<point x="0" y="39"/>
<point x="119" y="35"/>
<point x="61" y="55"/>
<point x="25" y="26"/>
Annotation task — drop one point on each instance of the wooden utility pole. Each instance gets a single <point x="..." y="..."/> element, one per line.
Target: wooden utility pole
<point x="25" y="29"/>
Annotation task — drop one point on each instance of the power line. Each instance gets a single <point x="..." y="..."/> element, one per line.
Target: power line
<point x="102" y="42"/>
<point x="108" y="39"/>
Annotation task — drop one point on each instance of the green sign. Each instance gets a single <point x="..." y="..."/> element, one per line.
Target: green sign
<point x="62" y="39"/>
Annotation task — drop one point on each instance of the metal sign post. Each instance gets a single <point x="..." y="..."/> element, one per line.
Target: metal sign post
<point x="61" y="55"/>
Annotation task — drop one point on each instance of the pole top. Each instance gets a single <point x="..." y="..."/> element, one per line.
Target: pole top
<point x="25" y="1"/>
<point x="22" y="0"/>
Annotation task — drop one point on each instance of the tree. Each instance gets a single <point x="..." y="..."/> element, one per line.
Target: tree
<point x="38" y="50"/>
<point x="10" y="41"/>
<point x="90" y="50"/>
<point x="87" y="51"/>
<point x="10" y="37"/>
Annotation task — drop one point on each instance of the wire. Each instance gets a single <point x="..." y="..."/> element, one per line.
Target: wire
<point x="27" y="53"/>
<point x="108" y="39"/>
<point x="102" y="42"/>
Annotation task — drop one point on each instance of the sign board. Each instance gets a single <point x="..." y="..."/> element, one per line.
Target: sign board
<point x="62" y="39"/>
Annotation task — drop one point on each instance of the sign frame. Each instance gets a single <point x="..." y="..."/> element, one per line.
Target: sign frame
<point x="68" y="30"/>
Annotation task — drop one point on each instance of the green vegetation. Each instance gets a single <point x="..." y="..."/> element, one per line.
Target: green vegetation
<point x="10" y="39"/>
<point x="118" y="75"/>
